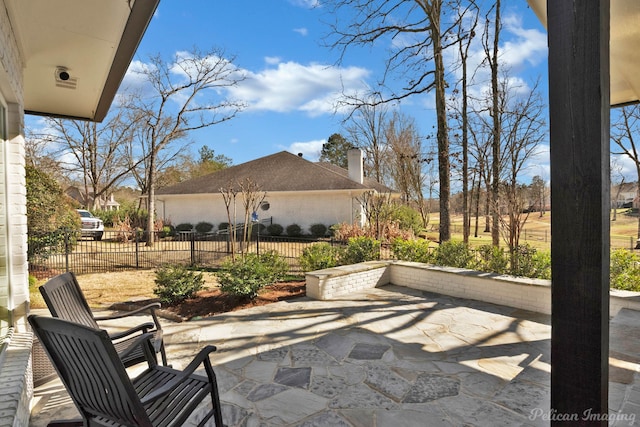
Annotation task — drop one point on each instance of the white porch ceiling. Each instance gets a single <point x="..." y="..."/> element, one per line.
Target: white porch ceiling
<point x="624" y="48"/>
<point x="93" y="39"/>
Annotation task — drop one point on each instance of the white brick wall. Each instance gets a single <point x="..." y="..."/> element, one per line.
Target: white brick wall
<point x="518" y="292"/>
<point x="16" y="381"/>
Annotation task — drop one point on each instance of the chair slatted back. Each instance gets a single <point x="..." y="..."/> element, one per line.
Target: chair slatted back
<point x="65" y="300"/>
<point x="91" y="370"/>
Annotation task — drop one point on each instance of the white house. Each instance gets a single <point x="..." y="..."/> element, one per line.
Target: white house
<point x="63" y="58"/>
<point x="297" y="192"/>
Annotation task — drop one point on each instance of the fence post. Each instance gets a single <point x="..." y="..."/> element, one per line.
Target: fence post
<point x="67" y="247"/>
<point x="193" y="249"/>
<point x="137" y="250"/>
<point x="258" y="242"/>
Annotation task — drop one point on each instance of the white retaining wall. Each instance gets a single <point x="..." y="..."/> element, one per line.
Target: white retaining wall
<point x="527" y="294"/>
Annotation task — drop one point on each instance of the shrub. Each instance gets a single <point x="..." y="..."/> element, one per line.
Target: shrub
<point x="167" y="231"/>
<point x="185" y="226"/>
<point x="624" y="271"/>
<point x="204" y="227"/>
<point x="412" y="250"/>
<point x="492" y="259"/>
<point x="319" y="256"/>
<point x="223" y="226"/>
<point x="294" y="230"/>
<point x="176" y="283"/>
<point x="275" y="229"/>
<point x="318" y="230"/>
<point x="245" y="276"/>
<point x="526" y="262"/>
<point x="407" y="218"/>
<point x="453" y="254"/>
<point x="360" y="249"/>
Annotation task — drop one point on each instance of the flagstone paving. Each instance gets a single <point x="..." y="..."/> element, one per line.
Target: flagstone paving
<point x="389" y="356"/>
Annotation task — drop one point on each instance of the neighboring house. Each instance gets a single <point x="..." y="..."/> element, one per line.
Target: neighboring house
<point x="102" y="203"/>
<point x="63" y="59"/>
<point x="625" y="195"/>
<point x="297" y="192"/>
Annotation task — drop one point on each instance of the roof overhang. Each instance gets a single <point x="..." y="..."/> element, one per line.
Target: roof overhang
<point x="93" y="41"/>
<point x="624" y="51"/>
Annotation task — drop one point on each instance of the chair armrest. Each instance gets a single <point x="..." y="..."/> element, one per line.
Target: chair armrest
<point x="200" y="358"/>
<point x="152" y="307"/>
<point x="143" y="327"/>
<point x="141" y="340"/>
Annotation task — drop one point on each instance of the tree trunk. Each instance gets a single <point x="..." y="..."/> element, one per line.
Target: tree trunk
<point x="495" y="167"/>
<point x="443" y="133"/>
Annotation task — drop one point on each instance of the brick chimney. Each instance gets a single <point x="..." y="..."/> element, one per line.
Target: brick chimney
<point x="355" y="165"/>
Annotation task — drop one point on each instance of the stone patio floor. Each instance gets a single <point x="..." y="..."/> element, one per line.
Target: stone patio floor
<point x="388" y="356"/>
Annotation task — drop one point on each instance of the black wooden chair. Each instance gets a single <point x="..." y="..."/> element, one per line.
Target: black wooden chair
<point x="103" y="392"/>
<point x="65" y="300"/>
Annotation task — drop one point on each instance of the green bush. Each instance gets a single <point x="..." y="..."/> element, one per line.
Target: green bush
<point x="492" y="259"/>
<point x="407" y="218"/>
<point x="360" y="249"/>
<point x="245" y="276"/>
<point x="167" y="231"/>
<point x="624" y="270"/>
<point x="185" y="226"/>
<point x="526" y="262"/>
<point x="294" y="230"/>
<point x="319" y="256"/>
<point x="416" y="250"/>
<point x="318" y="230"/>
<point x="453" y="254"/>
<point x="137" y="218"/>
<point x="223" y="226"/>
<point x="176" y="283"/>
<point x="275" y="229"/>
<point x="204" y="227"/>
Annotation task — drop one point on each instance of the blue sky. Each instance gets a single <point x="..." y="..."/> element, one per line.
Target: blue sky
<point x="293" y="80"/>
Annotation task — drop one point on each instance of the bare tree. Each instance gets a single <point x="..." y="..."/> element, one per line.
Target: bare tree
<point x="465" y="37"/>
<point x="366" y="131"/>
<point x="522" y="129"/>
<point x="617" y="182"/>
<point x="624" y="129"/>
<point x="187" y="93"/>
<point x="94" y="151"/>
<point x="407" y="161"/>
<point x="423" y="33"/>
<point x="491" y="52"/>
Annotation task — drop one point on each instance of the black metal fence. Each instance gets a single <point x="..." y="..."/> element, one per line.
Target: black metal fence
<point x="117" y="251"/>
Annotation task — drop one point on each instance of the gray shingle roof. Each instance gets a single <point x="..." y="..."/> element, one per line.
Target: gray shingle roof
<point x="281" y="171"/>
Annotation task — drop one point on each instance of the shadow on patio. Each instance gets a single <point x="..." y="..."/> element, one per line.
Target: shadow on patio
<point x="389" y="356"/>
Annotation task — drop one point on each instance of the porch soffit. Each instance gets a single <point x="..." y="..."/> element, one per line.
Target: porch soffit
<point x="94" y="40"/>
<point x="624" y="52"/>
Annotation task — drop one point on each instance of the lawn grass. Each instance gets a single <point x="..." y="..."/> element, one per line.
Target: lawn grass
<point x="104" y="289"/>
<point x="537" y="230"/>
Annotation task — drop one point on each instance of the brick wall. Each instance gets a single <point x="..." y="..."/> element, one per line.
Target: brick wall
<point x="518" y="292"/>
<point x="16" y="381"/>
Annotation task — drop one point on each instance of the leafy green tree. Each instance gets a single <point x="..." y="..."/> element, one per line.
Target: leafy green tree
<point x="48" y="208"/>
<point x="335" y="150"/>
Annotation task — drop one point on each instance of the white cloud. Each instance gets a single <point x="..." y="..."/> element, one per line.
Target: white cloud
<point x="272" y="60"/>
<point x="526" y="47"/>
<point x="308" y="4"/>
<point x="310" y="150"/>
<point x="301" y="31"/>
<point x="313" y="88"/>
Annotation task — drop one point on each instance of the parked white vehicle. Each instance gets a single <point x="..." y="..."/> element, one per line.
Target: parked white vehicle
<point x="91" y="226"/>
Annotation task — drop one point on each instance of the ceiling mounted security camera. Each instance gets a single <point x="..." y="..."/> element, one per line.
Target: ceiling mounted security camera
<point x="62" y="73"/>
<point x="64" y="79"/>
